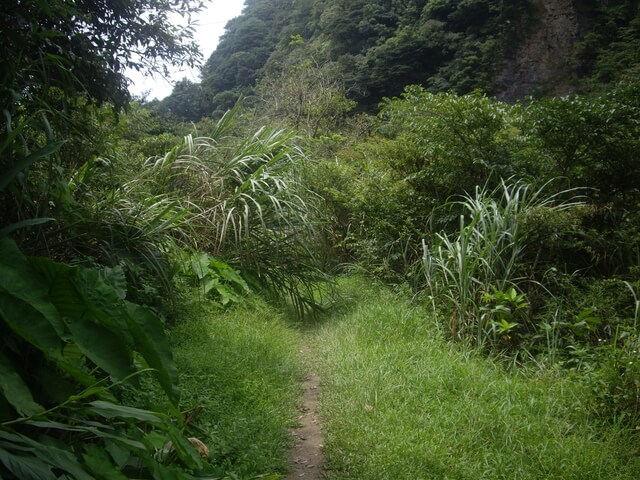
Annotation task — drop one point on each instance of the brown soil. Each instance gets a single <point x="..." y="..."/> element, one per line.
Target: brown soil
<point x="306" y="457"/>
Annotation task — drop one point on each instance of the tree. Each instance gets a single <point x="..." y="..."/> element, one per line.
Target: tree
<point x="85" y="46"/>
<point x="57" y="59"/>
<point x="186" y="102"/>
<point x="308" y="97"/>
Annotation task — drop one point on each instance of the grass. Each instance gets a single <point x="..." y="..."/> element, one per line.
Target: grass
<point x="400" y="403"/>
<point x="241" y="368"/>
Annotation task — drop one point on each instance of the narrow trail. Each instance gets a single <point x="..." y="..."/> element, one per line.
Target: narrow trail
<point x="306" y="457"/>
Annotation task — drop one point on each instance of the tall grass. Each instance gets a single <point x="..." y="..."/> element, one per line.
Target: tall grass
<point x="485" y="254"/>
<point x="399" y="402"/>
<point x="252" y="207"/>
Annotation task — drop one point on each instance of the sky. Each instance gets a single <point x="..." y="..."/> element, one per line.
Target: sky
<point x="210" y="26"/>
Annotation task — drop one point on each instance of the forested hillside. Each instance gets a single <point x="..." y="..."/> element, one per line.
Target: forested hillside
<point x="506" y="48"/>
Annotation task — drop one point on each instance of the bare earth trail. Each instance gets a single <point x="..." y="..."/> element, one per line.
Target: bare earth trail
<point x="306" y="457"/>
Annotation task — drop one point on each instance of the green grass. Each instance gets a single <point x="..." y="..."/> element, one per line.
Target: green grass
<point x="242" y="368"/>
<point x="400" y="403"/>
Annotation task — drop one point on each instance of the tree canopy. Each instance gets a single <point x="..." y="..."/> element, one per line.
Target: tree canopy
<point x="377" y="47"/>
<point x="85" y="46"/>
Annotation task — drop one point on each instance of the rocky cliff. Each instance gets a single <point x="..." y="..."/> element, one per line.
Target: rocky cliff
<point x="542" y="60"/>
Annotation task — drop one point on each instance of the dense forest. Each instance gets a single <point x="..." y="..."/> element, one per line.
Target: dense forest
<point x="506" y="48"/>
<point x="439" y="199"/>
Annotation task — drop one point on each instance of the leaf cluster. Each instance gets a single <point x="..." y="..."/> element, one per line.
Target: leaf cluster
<point x="70" y="340"/>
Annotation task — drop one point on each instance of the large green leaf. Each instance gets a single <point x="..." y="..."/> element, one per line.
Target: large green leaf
<point x="30" y="324"/>
<point x="51" y="425"/>
<point x="118" y="453"/>
<point x="200" y="264"/>
<point x="27" y="308"/>
<point x="15" y="390"/>
<point x="112" y="410"/>
<point x="50" y="451"/>
<point x="94" y="314"/>
<point x="115" y="278"/>
<point x="160" y="472"/>
<point x="62" y="292"/>
<point x="100" y="464"/>
<point x="103" y="303"/>
<point x="185" y="450"/>
<point x="105" y="348"/>
<point x="64" y="460"/>
<point x="26" y="467"/>
<point x="151" y="341"/>
<point x="19" y="279"/>
<point x="83" y="292"/>
<point x="229" y="273"/>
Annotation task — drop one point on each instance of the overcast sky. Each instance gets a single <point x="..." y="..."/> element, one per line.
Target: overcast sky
<point x="210" y="26"/>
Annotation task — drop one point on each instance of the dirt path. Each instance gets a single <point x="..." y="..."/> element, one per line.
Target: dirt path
<point x="306" y="457"/>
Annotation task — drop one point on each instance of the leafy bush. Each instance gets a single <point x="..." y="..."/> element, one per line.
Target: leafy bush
<point x="69" y="341"/>
<point x="213" y="275"/>
<point x="594" y="142"/>
<point x="590" y="326"/>
<point x="372" y="215"/>
<point x="454" y="142"/>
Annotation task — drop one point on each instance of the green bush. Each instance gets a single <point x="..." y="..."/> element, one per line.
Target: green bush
<point x="70" y="342"/>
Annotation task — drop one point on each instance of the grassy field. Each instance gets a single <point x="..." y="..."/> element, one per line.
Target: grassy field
<point x="242" y="368"/>
<point x="400" y="403"/>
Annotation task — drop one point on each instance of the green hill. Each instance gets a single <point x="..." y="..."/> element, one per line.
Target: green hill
<point x="507" y="48"/>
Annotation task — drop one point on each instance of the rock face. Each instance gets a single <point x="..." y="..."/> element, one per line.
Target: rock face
<point x="542" y="61"/>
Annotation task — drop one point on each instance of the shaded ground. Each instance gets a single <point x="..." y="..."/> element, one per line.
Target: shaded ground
<point x="306" y="457"/>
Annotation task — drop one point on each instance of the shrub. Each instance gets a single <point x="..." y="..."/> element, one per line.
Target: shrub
<point x="70" y="340"/>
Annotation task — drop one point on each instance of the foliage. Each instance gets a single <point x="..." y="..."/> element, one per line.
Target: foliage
<point x="70" y="340"/>
<point x="212" y="275"/>
<point x="590" y="326"/>
<point x="450" y="143"/>
<point x="252" y="209"/>
<point x="485" y="255"/>
<point x="608" y="52"/>
<point x="373" y="217"/>
<point x="594" y="142"/>
<point x="502" y="312"/>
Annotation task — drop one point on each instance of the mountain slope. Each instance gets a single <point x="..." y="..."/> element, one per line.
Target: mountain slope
<point x="508" y="48"/>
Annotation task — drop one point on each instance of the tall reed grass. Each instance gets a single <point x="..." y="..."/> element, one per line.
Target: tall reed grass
<point x="485" y="253"/>
<point x="251" y="206"/>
